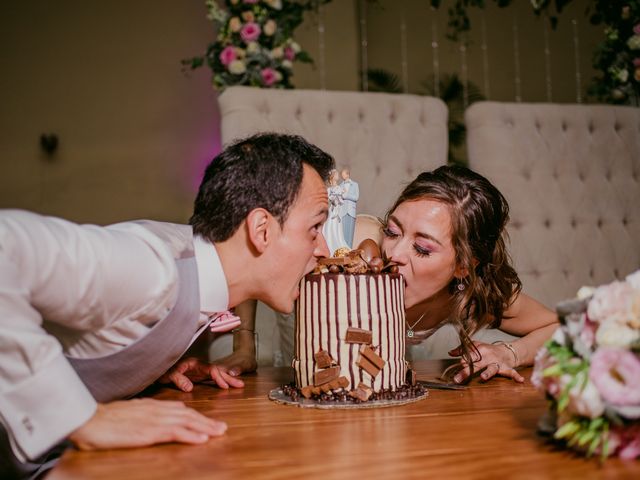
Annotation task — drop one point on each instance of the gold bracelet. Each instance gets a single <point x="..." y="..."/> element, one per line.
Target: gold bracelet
<point x="240" y="329"/>
<point x="513" y="350"/>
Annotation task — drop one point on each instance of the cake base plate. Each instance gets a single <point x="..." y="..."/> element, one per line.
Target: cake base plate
<point x="278" y="396"/>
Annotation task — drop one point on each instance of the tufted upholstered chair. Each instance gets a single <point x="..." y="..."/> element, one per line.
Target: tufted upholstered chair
<point x="571" y="175"/>
<point x="385" y="140"/>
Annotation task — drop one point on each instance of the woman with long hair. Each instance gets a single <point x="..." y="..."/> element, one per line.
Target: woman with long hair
<point x="446" y="231"/>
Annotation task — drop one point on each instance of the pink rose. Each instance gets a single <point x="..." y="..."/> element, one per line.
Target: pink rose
<point x="636" y="63"/>
<point x="636" y="29"/>
<point x="289" y="53"/>
<point x="625" y="442"/>
<point x="269" y="76"/>
<point x="250" y="32"/>
<point x="249" y="1"/>
<point x="616" y="374"/>
<point x="227" y="55"/>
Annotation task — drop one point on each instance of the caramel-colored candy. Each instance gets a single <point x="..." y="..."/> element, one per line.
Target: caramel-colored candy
<point x="323" y="359"/>
<point x="325" y="376"/>
<point x="370" y="249"/>
<point x="358" y="335"/>
<point x="306" y="391"/>
<point x="394" y="269"/>
<point x="334" y="269"/>
<point x="341" y="252"/>
<point x="316" y="390"/>
<point x="363" y="392"/>
<point x="376" y="262"/>
<point x="325" y="388"/>
<point x="343" y="382"/>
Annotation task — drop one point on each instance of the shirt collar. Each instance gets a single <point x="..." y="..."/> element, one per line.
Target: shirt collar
<point x="214" y="292"/>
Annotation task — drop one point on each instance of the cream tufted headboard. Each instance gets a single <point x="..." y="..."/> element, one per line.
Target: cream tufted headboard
<point x="571" y="174"/>
<point x="385" y="139"/>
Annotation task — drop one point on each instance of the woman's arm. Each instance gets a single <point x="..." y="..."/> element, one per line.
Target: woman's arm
<point x="526" y="318"/>
<point x="533" y="322"/>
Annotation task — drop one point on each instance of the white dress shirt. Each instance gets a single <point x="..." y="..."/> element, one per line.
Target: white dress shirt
<point x="85" y="291"/>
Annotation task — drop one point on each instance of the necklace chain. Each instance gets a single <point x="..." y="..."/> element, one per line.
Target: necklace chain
<point x="410" y="331"/>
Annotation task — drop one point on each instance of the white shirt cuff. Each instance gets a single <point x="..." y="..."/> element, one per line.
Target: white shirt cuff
<point x="45" y="409"/>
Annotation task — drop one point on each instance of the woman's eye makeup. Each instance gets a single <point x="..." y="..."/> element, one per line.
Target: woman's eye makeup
<point x="389" y="232"/>
<point x="422" y="251"/>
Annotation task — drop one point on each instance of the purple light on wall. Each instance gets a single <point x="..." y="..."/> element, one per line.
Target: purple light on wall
<point x="203" y="157"/>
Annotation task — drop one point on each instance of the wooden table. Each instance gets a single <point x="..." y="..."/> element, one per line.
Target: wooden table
<point x="485" y="431"/>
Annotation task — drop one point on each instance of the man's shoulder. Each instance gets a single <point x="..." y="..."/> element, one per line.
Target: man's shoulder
<point x="178" y="237"/>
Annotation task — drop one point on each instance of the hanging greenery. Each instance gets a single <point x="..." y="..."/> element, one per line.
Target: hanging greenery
<point x="617" y="57"/>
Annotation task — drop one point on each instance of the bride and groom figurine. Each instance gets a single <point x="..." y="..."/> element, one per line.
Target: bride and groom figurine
<point x="340" y="225"/>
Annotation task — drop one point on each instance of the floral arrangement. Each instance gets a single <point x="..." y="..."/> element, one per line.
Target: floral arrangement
<point x="617" y="57"/>
<point x="255" y="44"/>
<point x="590" y="371"/>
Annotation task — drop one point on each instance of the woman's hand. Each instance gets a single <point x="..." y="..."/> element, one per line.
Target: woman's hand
<point x="494" y="359"/>
<point x="192" y="370"/>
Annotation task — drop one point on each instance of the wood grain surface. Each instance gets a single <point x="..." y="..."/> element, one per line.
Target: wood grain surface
<point x="485" y="431"/>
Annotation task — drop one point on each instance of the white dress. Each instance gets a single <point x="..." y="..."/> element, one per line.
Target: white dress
<point x="332" y="229"/>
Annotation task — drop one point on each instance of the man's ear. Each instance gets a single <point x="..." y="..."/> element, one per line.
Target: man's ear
<point x="258" y="224"/>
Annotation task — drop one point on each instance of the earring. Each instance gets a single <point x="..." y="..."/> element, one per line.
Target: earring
<point x="461" y="286"/>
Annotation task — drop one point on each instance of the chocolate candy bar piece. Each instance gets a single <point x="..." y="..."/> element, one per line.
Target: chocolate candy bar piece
<point x="412" y="377"/>
<point x="323" y="359"/>
<point x="372" y="356"/>
<point x="358" y="335"/>
<point x="363" y="392"/>
<point x="306" y="391"/>
<point x="367" y="366"/>
<point x="325" y="376"/>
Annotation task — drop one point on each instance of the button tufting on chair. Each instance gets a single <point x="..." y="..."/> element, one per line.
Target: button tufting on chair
<point x="580" y="202"/>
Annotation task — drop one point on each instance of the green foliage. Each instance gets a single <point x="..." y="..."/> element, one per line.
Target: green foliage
<point x="617" y="57"/>
<point x="254" y="44"/>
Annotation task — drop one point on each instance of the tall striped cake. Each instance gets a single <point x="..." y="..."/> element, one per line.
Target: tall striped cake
<point x="358" y="320"/>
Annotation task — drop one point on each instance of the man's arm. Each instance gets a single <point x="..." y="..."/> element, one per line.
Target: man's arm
<point x="73" y="277"/>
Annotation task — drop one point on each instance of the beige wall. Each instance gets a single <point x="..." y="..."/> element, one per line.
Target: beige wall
<point x="384" y="20"/>
<point x="135" y="133"/>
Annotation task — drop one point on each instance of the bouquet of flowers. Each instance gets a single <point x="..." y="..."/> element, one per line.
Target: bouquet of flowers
<point x="254" y="45"/>
<point x="590" y="371"/>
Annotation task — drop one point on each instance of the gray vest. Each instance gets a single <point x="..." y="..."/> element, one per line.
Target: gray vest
<point x="130" y="370"/>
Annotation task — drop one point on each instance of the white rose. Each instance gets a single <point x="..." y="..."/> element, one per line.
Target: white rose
<point x="287" y="64"/>
<point x="275" y="4"/>
<point x="610" y="301"/>
<point x="253" y="47"/>
<point x="559" y="336"/>
<point x="585" y="292"/>
<point x="296" y="48"/>
<point x="235" y="24"/>
<point x="585" y="402"/>
<point x="634" y="42"/>
<point x="269" y="28"/>
<point x="277" y="52"/>
<point x="633" y="279"/>
<point x="616" y="334"/>
<point x="237" y="67"/>
<point x="623" y="75"/>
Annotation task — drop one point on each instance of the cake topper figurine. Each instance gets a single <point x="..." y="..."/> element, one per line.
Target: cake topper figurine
<point x="332" y="230"/>
<point x="350" y="195"/>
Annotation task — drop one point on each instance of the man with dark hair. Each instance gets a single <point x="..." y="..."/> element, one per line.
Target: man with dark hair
<point x="92" y="315"/>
